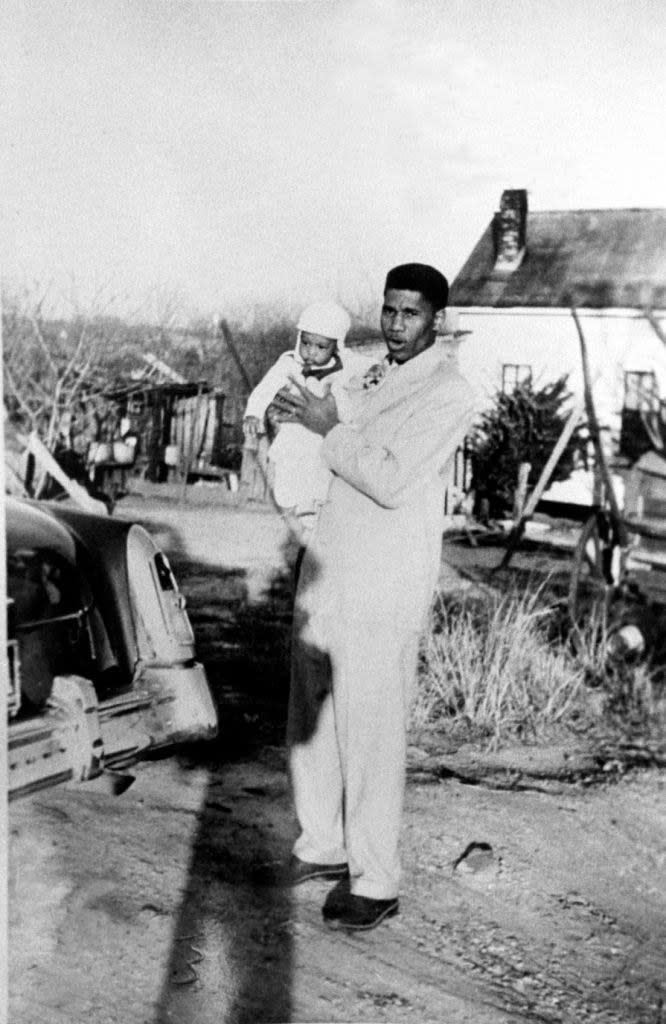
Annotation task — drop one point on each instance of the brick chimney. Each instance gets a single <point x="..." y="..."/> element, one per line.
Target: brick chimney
<point x="509" y="226"/>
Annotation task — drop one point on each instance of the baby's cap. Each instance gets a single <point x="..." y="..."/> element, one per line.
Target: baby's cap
<point x="326" y="318"/>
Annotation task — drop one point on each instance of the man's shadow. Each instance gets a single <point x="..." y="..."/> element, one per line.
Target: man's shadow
<point x="232" y="937"/>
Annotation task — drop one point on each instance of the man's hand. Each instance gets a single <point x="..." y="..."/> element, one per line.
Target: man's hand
<point x="317" y="414"/>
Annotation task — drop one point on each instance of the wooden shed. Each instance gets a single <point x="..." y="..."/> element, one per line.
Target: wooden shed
<point x="177" y="430"/>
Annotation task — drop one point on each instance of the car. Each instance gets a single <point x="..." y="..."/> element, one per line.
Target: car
<point x="101" y="652"/>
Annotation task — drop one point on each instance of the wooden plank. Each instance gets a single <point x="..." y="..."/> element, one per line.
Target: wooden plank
<point x="647" y="527"/>
<point x="76" y="491"/>
<point x="595" y="434"/>
<point x="541" y="484"/>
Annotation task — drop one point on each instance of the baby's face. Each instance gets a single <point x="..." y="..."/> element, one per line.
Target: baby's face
<point x="316" y="350"/>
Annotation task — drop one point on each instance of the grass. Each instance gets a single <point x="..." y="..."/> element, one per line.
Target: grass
<point x="633" y="686"/>
<point x="499" y="667"/>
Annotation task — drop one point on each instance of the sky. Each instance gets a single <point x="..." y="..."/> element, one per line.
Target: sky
<point x="202" y="157"/>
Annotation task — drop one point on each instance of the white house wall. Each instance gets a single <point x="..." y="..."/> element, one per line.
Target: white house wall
<point x="547" y="341"/>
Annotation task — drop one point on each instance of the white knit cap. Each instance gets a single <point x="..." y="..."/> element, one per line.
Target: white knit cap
<point x="325" y="318"/>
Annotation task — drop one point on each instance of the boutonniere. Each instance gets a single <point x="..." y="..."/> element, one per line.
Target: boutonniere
<point x="374" y="376"/>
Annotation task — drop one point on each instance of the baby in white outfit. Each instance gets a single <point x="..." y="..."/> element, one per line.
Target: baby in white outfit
<point x="319" y="360"/>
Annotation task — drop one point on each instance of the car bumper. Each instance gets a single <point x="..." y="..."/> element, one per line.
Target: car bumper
<point x="167" y="705"/>
<point x="75" y="738"/>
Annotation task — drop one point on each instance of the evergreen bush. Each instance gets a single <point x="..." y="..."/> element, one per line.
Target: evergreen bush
<point x="522" y="426"/>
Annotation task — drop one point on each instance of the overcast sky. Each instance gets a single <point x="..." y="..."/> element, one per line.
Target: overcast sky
<point x="234" y="152"/>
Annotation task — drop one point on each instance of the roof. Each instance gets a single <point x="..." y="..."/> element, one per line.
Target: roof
<point x="149" y="386"/>
<point x="599" y="259"/>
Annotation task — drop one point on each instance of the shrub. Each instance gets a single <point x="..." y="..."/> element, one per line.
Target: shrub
<point x="630" y="683"/>
<point x="523" y="426"/>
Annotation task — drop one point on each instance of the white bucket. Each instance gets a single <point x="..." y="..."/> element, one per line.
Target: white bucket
<point x="123" y="453"/>
<point x="171" y="454"/>
<point x="101" y="452"/>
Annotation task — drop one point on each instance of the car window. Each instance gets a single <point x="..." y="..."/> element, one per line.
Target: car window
<point x="42" y="584"/>
<point x="49" y="603"/>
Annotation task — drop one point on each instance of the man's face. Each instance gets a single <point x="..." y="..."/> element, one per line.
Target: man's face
<point x="408" y="323"/>
<point x="316" y="349"/>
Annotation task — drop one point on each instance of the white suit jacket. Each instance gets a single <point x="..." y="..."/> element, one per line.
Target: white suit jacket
<point x="376" y="549"/>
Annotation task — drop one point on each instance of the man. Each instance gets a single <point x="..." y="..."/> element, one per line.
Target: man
<point x="364" y="591"/>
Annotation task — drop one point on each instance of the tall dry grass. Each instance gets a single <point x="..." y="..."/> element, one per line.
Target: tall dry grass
<point x="500" y="667"/>
<point x="488" y="663"/>
<point x="489" y="666"/>
<point x="633" y="686"/>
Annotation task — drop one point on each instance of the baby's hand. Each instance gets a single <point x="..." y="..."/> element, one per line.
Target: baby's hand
<point x="274" y="416"/>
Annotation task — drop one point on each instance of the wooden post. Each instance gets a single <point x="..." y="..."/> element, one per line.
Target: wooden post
<point x="521" y="490"/>
<point x="655" y="325"/>
<point x="595" y="434"/>
<point x="193" y="420"/>
<point x="223" y="329"/>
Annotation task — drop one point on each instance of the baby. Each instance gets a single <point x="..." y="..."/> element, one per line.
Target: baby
<point x="318" y="361"/>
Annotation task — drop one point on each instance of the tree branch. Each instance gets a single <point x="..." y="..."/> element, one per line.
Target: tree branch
<point x="16" y="393"/>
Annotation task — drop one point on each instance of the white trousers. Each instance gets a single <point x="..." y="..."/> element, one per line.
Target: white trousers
<point x="346" y="736"/>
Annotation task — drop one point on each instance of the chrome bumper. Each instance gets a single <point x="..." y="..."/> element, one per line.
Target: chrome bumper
<point x="182" y="708"/>
<point x="75" y="738"/>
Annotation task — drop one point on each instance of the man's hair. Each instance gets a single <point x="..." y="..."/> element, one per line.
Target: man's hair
<point x="419" y="277"/>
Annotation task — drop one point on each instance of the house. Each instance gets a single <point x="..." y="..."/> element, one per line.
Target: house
<point x="515" y="295"/>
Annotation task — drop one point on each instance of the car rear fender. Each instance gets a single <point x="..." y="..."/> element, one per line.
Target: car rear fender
<point x="163" y="629"/>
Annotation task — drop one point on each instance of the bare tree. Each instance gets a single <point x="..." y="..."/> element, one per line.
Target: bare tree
<point x="53" y="365"/>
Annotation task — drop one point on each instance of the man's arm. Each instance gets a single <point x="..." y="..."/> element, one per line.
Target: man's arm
<point x="274" y="379"/>
<point x="429" y="438"/>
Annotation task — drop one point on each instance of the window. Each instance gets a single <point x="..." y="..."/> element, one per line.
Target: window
<point x="643" y="421"/>
<point x="640" y="390"/>
<point x="514" y="374"/>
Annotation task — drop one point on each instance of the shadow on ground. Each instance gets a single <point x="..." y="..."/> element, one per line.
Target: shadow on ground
<point x="241" y="925"/>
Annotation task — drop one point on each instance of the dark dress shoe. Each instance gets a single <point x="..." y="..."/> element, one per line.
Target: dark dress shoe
<point x="336" y="901"/>
<point x="295" y="871"/>
<point x="356" y="913"/>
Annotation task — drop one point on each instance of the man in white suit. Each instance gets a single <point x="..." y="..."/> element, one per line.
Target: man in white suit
<point x="364" y="591"/>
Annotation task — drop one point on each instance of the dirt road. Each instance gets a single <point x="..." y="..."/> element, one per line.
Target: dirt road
<point x="144" y="908"/>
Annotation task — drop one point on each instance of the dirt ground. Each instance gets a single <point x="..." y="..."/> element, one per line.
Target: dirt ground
<point x="532" y="890"/>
